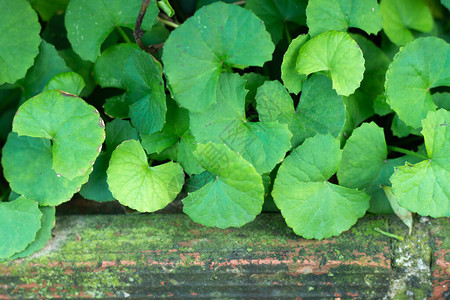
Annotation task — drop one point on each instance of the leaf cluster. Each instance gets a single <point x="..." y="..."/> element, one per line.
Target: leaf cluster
<point x="323" y="110"/>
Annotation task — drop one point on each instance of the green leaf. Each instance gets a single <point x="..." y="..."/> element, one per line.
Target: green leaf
<point x="400" y="129"/>
<point x="27" y="166"/>
<point x="277" y="13"/>
<point x="186" y="157"/>
<point x="424" y="187"/>
<point x="412" y="74"/>
<point x="43" y="235"/>
<point x="118" y="131"/>
<point x="148" y="114"/>
<point x="218" y="36"/>
<point x="47" y="64"/>
<point x="275" y="104"/>
<point x="402" y="16"/>
<point x="20" y="220"/>
<point x="17" y="54"/>
<point x="446" y="3"/>
<point x="197" y="181"/>
<point x="402" y="213"/>
<point x="337" y="54"/>
<point x="264" y="144"/>
<point x="89" y="23"/>
<point x="253" y="82"/>
<point x="97" y="188"/>
<point x="312" y="206"/>
<point x="233" y="198"/>
<point x="126" y="67"/>
<point x="165" y="6"/>
<point x="157" y="142"/>
<point x="323" y="15"/>
<point x="48" y="8"/>
<point x="137" y="185"/>
<point x="74" y="127"/>
<point x="69" y="82"/>
<point x="359" y="105"/>
<point x="291" y="79"/>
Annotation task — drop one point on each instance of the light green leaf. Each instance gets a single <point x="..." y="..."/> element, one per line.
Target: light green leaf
<point x="402" y="213"/>
<point x="424" y="187"/>
<point x="27" y="166"/>
<point x="264" y="144"/>
<point x="17" y="54"/>
<point x="412" y="74"/>
<point x="165" y="6"/>
<point x="43" y="235"/>
<point x="233" y="198"/>
<point x="312" y="206"/>
<point x="275" y="104"/>
<point x="89" y="23"/>
<point x="20" y="220"/>
<point x="337" y="54"/>
<point x="157" y="142"/>
<point x="47" y="64"/>
<point x="69" y="82"/>
<point x="137" y="185"/>
<point x="218" y="36"/>
<point x="291" y="79"/>
<point x="323" y="15"/>
<point x="74" y="127"/>
<point x="82" y="67"/>
<point x="402" y="16"/>
<point x="276" y="14"/>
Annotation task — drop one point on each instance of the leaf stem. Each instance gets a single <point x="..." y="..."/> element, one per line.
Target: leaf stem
<point x="123" y="34"/>
<point x="398" y="237"/>
<point x="407" y="152"/>
<point x="167" y="22"/>
<point x="288" y="35"/>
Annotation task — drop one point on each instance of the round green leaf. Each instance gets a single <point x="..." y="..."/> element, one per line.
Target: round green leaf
<point x="264" y="144"/>
<point x="337" y="54"/>
<point x="20" y="220"/>
<point x="118" y="131"/>
<point x="69" y="82"/>
<point x="323" y="15"/>
<point x="43" y="235"/>
<point x="425" y="187"/>
<point x="27" y="166"/>
<point x="137" y="185"/>
<point x="412" y="74"/>
<point x="312" y="206"/>
<point x="402" y="16"/>
<point x="218" y="36"/>
<point x="89" y="23"/>
<point x="74" y="127"/>
<point x="233" y="198"/>
<point x="185" y="155"/>
<point x="277" y="13"/>
<point x="291" y="79"/>
<point x="17" y="54"/>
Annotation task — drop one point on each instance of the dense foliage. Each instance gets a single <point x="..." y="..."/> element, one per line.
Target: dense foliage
<point x="322" y="109"/>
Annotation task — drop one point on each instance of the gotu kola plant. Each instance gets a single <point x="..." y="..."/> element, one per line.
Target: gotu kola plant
<point x="318" y="107"/>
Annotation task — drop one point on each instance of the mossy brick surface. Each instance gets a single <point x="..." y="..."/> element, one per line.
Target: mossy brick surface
<point x="167" y="255"/>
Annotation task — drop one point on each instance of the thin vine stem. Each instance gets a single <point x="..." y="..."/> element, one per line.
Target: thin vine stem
<point x="407" y="152"/>
<point x="168" y="22"/>
<point x="138" y="32"/>
<point x="123" y="34"/>
<point x="395" y="236"/>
